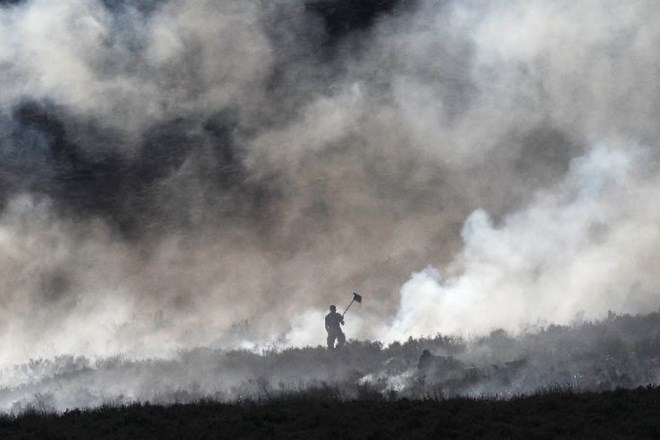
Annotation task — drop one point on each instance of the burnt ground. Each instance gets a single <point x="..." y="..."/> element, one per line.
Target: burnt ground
<point x="324" y="413"/>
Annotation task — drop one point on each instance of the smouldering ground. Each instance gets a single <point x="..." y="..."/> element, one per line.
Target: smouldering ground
<point x="619" y="352"/>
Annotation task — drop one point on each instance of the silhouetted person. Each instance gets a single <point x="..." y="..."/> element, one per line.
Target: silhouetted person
<point x="333" y="323"/>
<point x="425" y="361"/>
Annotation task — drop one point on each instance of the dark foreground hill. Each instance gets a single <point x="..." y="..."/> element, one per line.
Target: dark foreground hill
<point x="323" y="413"/>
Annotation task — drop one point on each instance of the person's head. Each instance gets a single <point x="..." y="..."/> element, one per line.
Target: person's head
<point x="333" y="308"/>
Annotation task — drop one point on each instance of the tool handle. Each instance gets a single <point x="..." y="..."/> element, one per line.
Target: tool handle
<point x="349" y="306"/>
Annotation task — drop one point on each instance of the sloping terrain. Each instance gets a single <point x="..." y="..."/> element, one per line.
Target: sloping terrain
<point x="618" y="352"/>
<point x="322" y="413"/>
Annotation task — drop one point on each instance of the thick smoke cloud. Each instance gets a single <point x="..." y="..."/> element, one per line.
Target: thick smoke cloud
<point x="216" y="173"/>
<point x="582" y="249"/>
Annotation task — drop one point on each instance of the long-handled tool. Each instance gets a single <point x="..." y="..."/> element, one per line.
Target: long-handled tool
<point x="356" y="297"/>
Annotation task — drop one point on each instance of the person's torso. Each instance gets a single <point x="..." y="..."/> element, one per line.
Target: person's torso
<point x="332" y="320"/>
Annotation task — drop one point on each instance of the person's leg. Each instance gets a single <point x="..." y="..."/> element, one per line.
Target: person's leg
<point x="341" y="339"/>
<point x="331" y="341"/>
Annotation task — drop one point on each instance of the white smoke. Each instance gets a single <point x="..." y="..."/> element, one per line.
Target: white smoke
<point x="584" y="247"/>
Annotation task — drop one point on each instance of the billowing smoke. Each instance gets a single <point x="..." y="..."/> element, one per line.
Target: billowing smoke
<point x="586" y="247"/>
<point x="216" y="173"/>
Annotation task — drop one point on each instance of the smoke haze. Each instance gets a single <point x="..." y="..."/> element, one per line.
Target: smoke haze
<point x="216" y="173"/>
